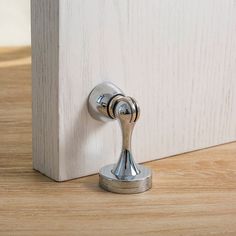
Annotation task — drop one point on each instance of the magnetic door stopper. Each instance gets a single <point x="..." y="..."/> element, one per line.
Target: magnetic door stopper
<point x="107" y="102"/>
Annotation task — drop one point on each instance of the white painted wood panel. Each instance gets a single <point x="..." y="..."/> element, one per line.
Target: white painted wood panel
<point x="176" y="57"/>
<point x="45" y="84"/>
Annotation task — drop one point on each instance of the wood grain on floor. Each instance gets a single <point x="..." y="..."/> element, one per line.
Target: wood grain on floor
<point x="192" y="194"/>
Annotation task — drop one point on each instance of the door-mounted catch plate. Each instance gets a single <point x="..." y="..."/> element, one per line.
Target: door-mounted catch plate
<point x="107" y="102"/>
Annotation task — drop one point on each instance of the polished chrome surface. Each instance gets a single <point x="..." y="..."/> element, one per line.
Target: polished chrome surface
<point x="107" y="102"/>
<point x="138" y="184"/>
<point x="99" y="99"/>
<point x="126" y="112"/>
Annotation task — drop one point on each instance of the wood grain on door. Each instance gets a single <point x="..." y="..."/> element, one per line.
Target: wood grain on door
<point x="177" y="58"/>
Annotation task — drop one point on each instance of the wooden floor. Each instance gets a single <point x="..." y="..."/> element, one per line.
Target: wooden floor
<point x="192" y="194"/>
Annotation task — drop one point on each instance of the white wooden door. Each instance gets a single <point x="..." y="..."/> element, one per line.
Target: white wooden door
<point x="176" y="57"/>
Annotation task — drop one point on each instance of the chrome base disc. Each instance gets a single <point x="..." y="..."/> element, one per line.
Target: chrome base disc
<point x="138" y="184"/>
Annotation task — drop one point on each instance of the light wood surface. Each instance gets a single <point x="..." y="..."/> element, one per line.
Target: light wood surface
<point x="192" y="194"/>
<point x="176" y="57"/>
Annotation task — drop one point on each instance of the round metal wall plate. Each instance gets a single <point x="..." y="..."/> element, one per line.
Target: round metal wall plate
<point x="99" y="99"/>
<point x="140" y="183"/>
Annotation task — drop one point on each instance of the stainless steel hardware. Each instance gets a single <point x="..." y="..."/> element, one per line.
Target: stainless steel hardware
<point x="107" y="102"/>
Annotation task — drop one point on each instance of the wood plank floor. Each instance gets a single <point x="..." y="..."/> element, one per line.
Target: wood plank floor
<point x="192" y="194"/>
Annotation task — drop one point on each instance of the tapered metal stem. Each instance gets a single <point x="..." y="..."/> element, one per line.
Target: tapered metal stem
<point x="126" y="111"/>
